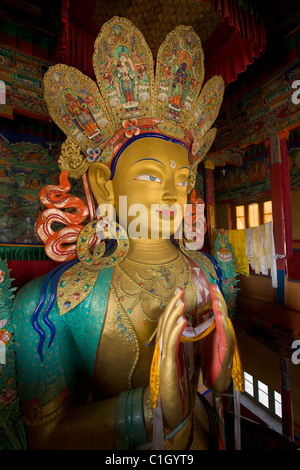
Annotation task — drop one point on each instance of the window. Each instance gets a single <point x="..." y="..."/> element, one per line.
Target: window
<point x="277" y="400"/>
<point x="263" y="394"/>
<point x="252" y="214"/>
<point x="249" y="384"/>
<point x="240" y="217"/>
<point x="267" y="211"/>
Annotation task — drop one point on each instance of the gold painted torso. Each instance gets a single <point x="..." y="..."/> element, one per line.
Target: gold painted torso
<point x="138" y="296"/>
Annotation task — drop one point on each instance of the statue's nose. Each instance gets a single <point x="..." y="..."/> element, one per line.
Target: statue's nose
<point x="170" y="193"/>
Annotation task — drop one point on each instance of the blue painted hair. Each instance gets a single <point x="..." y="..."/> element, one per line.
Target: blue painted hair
<point x="51" y="279"/>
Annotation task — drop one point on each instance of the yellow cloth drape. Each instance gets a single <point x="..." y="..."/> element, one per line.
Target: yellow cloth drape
<point x="237" y="239"/>
<point x="237" y="372"/>
<point x="154" y="374"/>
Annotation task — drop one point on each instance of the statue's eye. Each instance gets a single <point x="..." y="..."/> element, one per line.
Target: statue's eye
<point x="182" y="183"/>
<point x="154" y="179"/>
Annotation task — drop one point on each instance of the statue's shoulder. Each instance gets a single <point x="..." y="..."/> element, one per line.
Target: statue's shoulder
<point x="68" y="285"/>
<point x="77" y="283"/>
<point x="28" y="300"/>
<point x="28" y="295"/>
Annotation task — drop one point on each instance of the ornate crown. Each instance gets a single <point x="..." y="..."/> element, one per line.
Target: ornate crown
<point x="130" y="100"/>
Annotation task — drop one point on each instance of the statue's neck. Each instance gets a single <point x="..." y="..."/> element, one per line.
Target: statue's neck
<point x="152" y="251"/>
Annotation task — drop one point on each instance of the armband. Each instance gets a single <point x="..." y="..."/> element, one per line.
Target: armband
<point x="129" y="420"/>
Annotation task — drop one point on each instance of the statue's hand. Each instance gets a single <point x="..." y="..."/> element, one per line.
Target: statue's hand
<point x="218" y="345"/>
<point x="174" y="390"/>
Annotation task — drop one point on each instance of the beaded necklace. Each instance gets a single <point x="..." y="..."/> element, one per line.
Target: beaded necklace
<point x="148" y="280"/>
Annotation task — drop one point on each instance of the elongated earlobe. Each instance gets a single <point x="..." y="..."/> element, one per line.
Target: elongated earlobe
<point x="101" y="184"/>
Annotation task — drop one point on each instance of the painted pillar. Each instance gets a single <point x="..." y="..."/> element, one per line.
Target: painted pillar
<point x="281" y="201"/>
<point x="283" y="240"/>
<point x="210" y="196"/>
<point x="286" y="398"/>
<point x="231" y="217"/>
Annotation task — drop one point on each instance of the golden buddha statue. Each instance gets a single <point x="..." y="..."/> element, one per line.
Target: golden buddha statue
<point x="112" y="341"/>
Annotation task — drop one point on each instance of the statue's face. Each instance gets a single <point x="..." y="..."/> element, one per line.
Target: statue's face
<point x="153" y="173"/>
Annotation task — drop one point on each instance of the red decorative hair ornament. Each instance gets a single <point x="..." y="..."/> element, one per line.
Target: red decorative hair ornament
<point x="61" y="244"/>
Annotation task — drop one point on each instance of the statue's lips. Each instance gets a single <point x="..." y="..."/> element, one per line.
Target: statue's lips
<point x="167" y="213"/>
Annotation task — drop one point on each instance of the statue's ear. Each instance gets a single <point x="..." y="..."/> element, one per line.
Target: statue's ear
<point x="101" y="184"/>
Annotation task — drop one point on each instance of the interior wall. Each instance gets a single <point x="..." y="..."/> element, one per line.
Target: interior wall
<point x="292" y="294"/>
<point x="222" y="216"/>
<point x="257" y="286"/>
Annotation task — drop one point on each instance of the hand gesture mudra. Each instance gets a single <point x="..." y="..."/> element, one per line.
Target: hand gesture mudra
<point x="174" y="383"/>
<point x="174" y="390"/>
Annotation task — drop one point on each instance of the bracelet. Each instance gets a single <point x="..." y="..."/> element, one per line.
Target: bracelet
<point x="129" y="420"/>
<point x="148" y="406"/>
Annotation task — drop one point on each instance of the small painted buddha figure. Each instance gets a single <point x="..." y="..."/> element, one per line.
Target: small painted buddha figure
<point x="112" y="341"/>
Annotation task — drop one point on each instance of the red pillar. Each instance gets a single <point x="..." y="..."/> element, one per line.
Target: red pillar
<point x="286" y="398"/>
<point x="281" y="205"/>
<point x="231" y="217"/>
<point x="277" y="191"/>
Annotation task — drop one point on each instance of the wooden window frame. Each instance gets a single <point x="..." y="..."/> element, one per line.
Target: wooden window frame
<point x="246" y="204"/>
<point x="271" y="397"/>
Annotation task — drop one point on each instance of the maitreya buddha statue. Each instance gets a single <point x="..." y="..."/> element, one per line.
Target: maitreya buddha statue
<point x="111" y="342"/>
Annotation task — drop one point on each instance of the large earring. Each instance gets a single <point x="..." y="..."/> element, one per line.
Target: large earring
<point x="94" y="235"/>
<point x="76" y="283"/>
<point x="189" y="243"/>
<point x="194" y="226"/>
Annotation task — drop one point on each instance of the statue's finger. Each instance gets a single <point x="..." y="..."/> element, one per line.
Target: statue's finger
<point x="165" y="315"/>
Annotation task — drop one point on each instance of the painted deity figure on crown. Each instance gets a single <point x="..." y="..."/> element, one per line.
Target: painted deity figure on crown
<point x="78" y="111"/>
<point x="125" y="76"/>
<point x="110" y="343"/>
